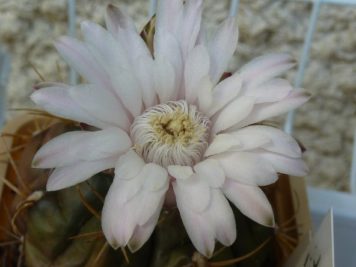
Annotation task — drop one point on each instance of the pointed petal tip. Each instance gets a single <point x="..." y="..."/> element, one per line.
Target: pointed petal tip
<point x="50" y="186"/>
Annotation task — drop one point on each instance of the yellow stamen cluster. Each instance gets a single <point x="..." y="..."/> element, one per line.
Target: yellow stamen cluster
<point x="174" y="133"/>
<point x="174" y="127"/>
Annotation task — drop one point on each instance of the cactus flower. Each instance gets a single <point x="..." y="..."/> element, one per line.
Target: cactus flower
<point x="171" y="126"/>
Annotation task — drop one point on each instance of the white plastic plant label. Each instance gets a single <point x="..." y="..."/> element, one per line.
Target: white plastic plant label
<point x="318" y="249"/>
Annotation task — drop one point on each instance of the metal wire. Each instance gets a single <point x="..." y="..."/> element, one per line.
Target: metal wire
<point x="289" y="124"/>
<point x="234" y="7"/>
<point x="353" y="168"/>
<point x="4" y="73"/>
<point x="152" y="8"/>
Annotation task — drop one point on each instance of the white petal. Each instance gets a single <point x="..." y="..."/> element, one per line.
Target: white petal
<point x="205" y="96"/>
<point x="143" y="232"/>
<point x="279" y="141"/>
<point x="217" y="221"/>
<point x="77" y="55"/>
<point x="222" y="47"/>
<point x="199" y="229"/>
<point x="106" y="50"/>
<point x="118" y="219"/>
<point x="57" y="101"/>
<point x="129" y="165"/>
<point x="166" y="46"/>
<point x="115" y="18"/>
<point x="149" y="186"/>
<point x="250" y="139"/>
<point x="165" y="78"/>
<point x="270" y="91"/>
<point x="129" y="91"/>
<point x="221" y="143"/>
<point x="211" y="171"/>
<point x="78" y="172"/>
<point x="225" y="92"/>
<point x="287" y="165"/>
<point x="169" y="15"/>
<point x="71" y="147"/>
<point x="190" y="24"/>
<point x="265" y="67"/>
<point x="129" y="188"/>
<point x="221" y="216"/>
<point x="145" y="74"/>
<point x="196" y="67"/>
<point x="234" y="112"/>
<point x="196" y="191"/>
<point x="156" y="177"/>
<point x="180" y="172"/>
<point x="100" y="104"/>
<point x="248" y="168"/>
<point x="150" y="202"/>
<point x="131" y="218"/>
<point x="268" y="110"/>
<point x="251" y="201"/>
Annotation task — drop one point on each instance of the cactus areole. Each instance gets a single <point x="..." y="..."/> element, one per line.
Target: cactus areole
<point x="173" y="127"/>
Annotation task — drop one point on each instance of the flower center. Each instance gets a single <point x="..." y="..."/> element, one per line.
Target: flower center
<point x="174" y="133"/>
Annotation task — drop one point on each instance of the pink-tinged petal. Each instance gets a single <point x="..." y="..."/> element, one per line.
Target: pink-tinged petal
<point x="205" y="96"/>
<point x="124" y="31"/>
<point x="115" y="19"/>
<point x="77" y="55"/>
<point x="264" y="111"/>
<point x="169" y="15"/>
<point x="166" y="45"/>
<point x="233" y="113"/>
<point x="165" y="80"/>
<point x="190" y="24"/>
<point x="128" y="89"/>
<point x="222" y="47"/>
<point x="130" y="187"/>
<point x="270" y="91"/>
<point x="250" y="139"/>
<point x="77" y="172"/>
<point x="251" y="201"/>
<point x="225" y="92"/>
<point x="150" y="202"/>
<point x="76" y="146"/>
<point x="197" y="192"/>
<point x="114" y="59"/>
<point x="129" y="206"/>
<point x="222" y="143"/>
<point x="221" y="216"/>
<point x="203" y="228"/>
<point x="248" y="168"/>
<point x="149" y="186"/>
<point x="133" y="44"/>
<point x="143" y="232"/>
<point x="279" y="141"/>
<point x="196" y="67"/>
<point x="57" y="101"/>
<point x="211" y="171"/>
<point x="241" y="140"/>
<point x="199" y="229"/>
<point x="129" y="165"/>
<point x="118" y="219"/>
<point x="92" y="100"/>
<point x="156" y="177"/>
<point x="287" y="165"/>
<point x="107" y="51"/>
<point x="145" y="77"/>
<point x="265" y="67"/>
<point x="180" y="172"/>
